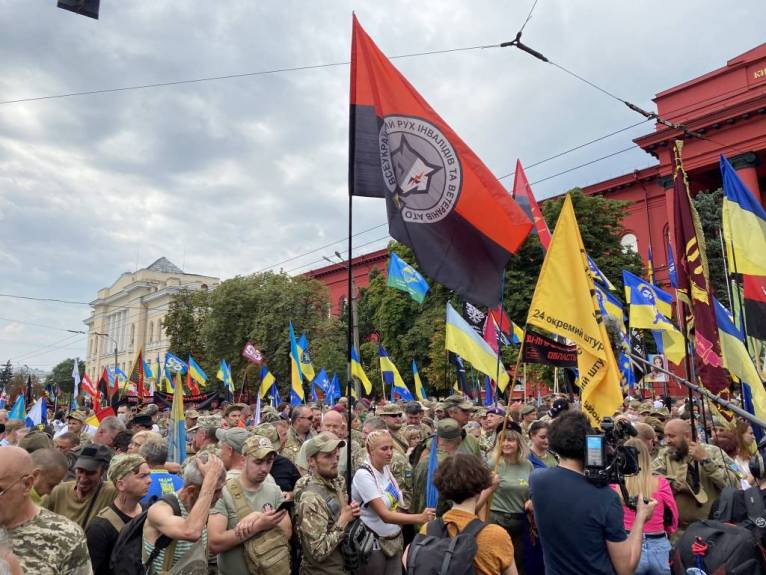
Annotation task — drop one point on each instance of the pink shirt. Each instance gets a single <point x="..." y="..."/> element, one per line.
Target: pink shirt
<point x="664" y="497"/>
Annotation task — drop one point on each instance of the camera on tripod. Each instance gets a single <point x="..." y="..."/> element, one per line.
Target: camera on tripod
<point x="607" y="460"/>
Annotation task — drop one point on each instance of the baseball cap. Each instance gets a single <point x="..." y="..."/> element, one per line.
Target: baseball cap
<point x="390" y="409"/>
<point x="78" y="415"/>
<point x="448" y="428"/>
<point x="121" y="465"/>
<point x="413" y="408"/>
<point x="527" y="409"/>
<point x="35" y="440"/>
<point x="268" y="431"/>
<point x="258" y="446"/>
<point x="460" y="402"/>
<point x="234" y="437"/>
<point x="92" y="457"/>
<point x="206" y="421"/>
<point x="324" y="442"/>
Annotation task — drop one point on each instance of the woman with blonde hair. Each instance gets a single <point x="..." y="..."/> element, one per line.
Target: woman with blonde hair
<point x="510" y="494"/>
<point x="379" y="496"/>
<point x="746" y="448"/>
<point x="655" y="549"/>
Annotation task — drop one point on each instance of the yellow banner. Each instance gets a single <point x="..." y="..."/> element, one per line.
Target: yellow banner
<point x="564" y="303"/>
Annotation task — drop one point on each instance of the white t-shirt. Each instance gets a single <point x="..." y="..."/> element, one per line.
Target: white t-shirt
<point x="366" y="488"/>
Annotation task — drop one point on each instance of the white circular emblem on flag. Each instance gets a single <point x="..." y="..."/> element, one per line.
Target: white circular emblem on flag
<point x="420" y="168"/>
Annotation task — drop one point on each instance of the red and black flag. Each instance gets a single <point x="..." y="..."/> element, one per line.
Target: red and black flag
<point x="442" y="201"/>
<point x="754" y="294"/>
<point x="694" y="285"/>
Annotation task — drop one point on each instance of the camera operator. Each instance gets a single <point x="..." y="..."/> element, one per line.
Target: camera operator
<point x="581" y="524"/>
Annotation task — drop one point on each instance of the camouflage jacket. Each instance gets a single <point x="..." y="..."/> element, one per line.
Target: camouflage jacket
<point x="292" y="445"/>
<point x="50" y="544"/>
<point x="317" y="524"/>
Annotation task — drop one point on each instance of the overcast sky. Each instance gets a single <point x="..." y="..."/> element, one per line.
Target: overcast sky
<point x="233" y="176"/>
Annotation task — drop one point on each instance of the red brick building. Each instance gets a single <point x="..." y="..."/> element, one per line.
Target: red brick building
<point x="728" y="107"/>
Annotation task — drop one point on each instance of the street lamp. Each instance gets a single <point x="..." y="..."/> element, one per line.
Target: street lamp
<point x="352" y="309"/>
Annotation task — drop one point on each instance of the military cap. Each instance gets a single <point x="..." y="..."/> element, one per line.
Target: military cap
<point x="207" y="421"/>
<point x="92" y="456"/>
<point x="413" y="408"/>
<point x="661" y="413"/>
<point x="258" y="446"/>
<point x="634" y="404"/>
<point x="481" y="412"/>
<point x="234" y="437"/>
<point x="151" y="409"/>
<point x="527" y="409"/>
<point x="35" y="440"/>
<point x="270" y="417"/>
<point x="655" y="424"/>
<point x="448" y="428"/>
<point x="268" y="431"/>
<point x="78" y="415"/>
<point x="325" y="442"/>
<point x="121" y="465"/>
<point x="439" y="406"/>
<point x="389" y="409"/>
<point x="496" y="411"/>
<point x="192" y="414"/>
<point x="459" y="401"/>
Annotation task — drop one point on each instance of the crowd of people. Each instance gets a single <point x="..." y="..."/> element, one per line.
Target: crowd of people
<point x="266" y="492"/>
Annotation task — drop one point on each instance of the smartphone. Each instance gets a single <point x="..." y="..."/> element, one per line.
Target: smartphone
<point x="594" y="451"/>
<point x="287" y="506"/>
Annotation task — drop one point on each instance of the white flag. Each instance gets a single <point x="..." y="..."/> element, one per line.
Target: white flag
<point x="76" y="377"/>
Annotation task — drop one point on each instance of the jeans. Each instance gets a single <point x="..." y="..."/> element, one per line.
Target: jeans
<point x="655" y="557"/>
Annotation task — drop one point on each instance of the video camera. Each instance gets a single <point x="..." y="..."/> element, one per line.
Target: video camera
<point x="607" y="460"/>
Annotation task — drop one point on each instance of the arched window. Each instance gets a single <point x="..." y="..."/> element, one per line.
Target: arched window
<point x="629" y="242"/>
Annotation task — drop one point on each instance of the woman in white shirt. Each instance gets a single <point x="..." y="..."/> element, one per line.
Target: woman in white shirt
<point x="379" y="496"/>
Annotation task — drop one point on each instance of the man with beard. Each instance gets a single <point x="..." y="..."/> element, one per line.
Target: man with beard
<point x="248" y="508"/>
<point x="323" y="511"/>
<point x="697" y="473"/>
<point x="81" y="500"/>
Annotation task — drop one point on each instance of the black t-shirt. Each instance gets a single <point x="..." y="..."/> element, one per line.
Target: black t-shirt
<point x="285" y="473"/>
<point x="575" y="520"/>
<point x="102" y="536"/>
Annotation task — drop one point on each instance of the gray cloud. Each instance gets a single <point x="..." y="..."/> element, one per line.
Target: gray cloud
<point x="230" y="176"/>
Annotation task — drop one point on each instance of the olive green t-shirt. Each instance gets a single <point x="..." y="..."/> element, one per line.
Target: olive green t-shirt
<point x="268" y="497"/>
<point x="513" y="491"/>
<point x="62" y="500"/>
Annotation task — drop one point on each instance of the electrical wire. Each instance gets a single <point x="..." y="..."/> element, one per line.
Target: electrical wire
<point x="529" y="16"/>
<point x="234" y="76"/>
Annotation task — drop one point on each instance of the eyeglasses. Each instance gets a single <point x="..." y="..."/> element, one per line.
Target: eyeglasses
<point x="13" y="484"/>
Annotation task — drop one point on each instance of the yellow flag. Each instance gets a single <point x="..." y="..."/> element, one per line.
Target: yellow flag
<point x="564" y="303"/>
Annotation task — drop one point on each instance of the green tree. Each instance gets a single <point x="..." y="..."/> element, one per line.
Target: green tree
<point x="6" y="374"/>
<point x="187" y="314"/>
<point x="709" y="204"/>
<point x="61" y="375"/>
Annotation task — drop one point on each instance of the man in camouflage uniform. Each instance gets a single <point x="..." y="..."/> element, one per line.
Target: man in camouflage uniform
<point x="333" y="422"/>
<point x="40" y="541"/>
<point x="392" y="415"/>
<point x="322" y="512"/>
<point x="449" y="439"/>
<point x="300" y="431"/>
<point x="460" y="409"/>
<point x="528" y="415"/>
<point x="204" y="439"/>
<point x="493" y="417"/>
<point x="697" y="473"/>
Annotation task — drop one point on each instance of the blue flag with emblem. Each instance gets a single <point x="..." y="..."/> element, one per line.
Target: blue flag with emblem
<point x="406" y="278"/>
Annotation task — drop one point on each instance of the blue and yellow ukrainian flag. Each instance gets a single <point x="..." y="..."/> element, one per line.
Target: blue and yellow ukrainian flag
<point x="744" y="225"/>
<point x="420" y="391"/>
<point x="737" y="360"/>
<point x="357" y="371"/>
<point x="267" y="381"/>
<point x="598" y="276"/>
<point x="224" y="375"/>
<point x="463" y="340"/>
<point x="517" y="334"/>
<point x="646" y="312"/>
<point x="391" y="376"/>
<point x="307" y="369"/>
<point x="196" y="372"/>
<point x="296" y="375"/>
<point x="177" y="426"/>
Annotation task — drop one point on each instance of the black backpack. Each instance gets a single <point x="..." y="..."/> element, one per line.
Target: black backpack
<point x="127" y="553"/>
<point x="436" y="553"/>
<point x="723" y="548"/>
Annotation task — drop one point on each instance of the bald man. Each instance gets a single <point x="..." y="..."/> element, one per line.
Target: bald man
<point x="42" y="542"/>
<point x="335" y="423"/>
<point x="697" y="472"/>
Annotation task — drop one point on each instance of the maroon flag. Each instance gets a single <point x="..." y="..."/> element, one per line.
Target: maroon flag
<point x="694" y="285"/>
<point x="442" y="201"/>
<point x="522" y="193"/>
<point x="252" y="353"/>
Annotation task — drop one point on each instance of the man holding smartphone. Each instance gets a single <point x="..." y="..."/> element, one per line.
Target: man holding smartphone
<point x="249" y="512"/>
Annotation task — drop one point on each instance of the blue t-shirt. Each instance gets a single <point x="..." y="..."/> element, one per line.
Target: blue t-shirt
<point x="162" y="484"/>
<point x="575" y="520"/>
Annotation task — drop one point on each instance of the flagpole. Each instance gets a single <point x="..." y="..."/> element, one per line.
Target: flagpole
<point x="725" y="268"/>
<point x="500" y="329"/>
<point x="350" y="307"/>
